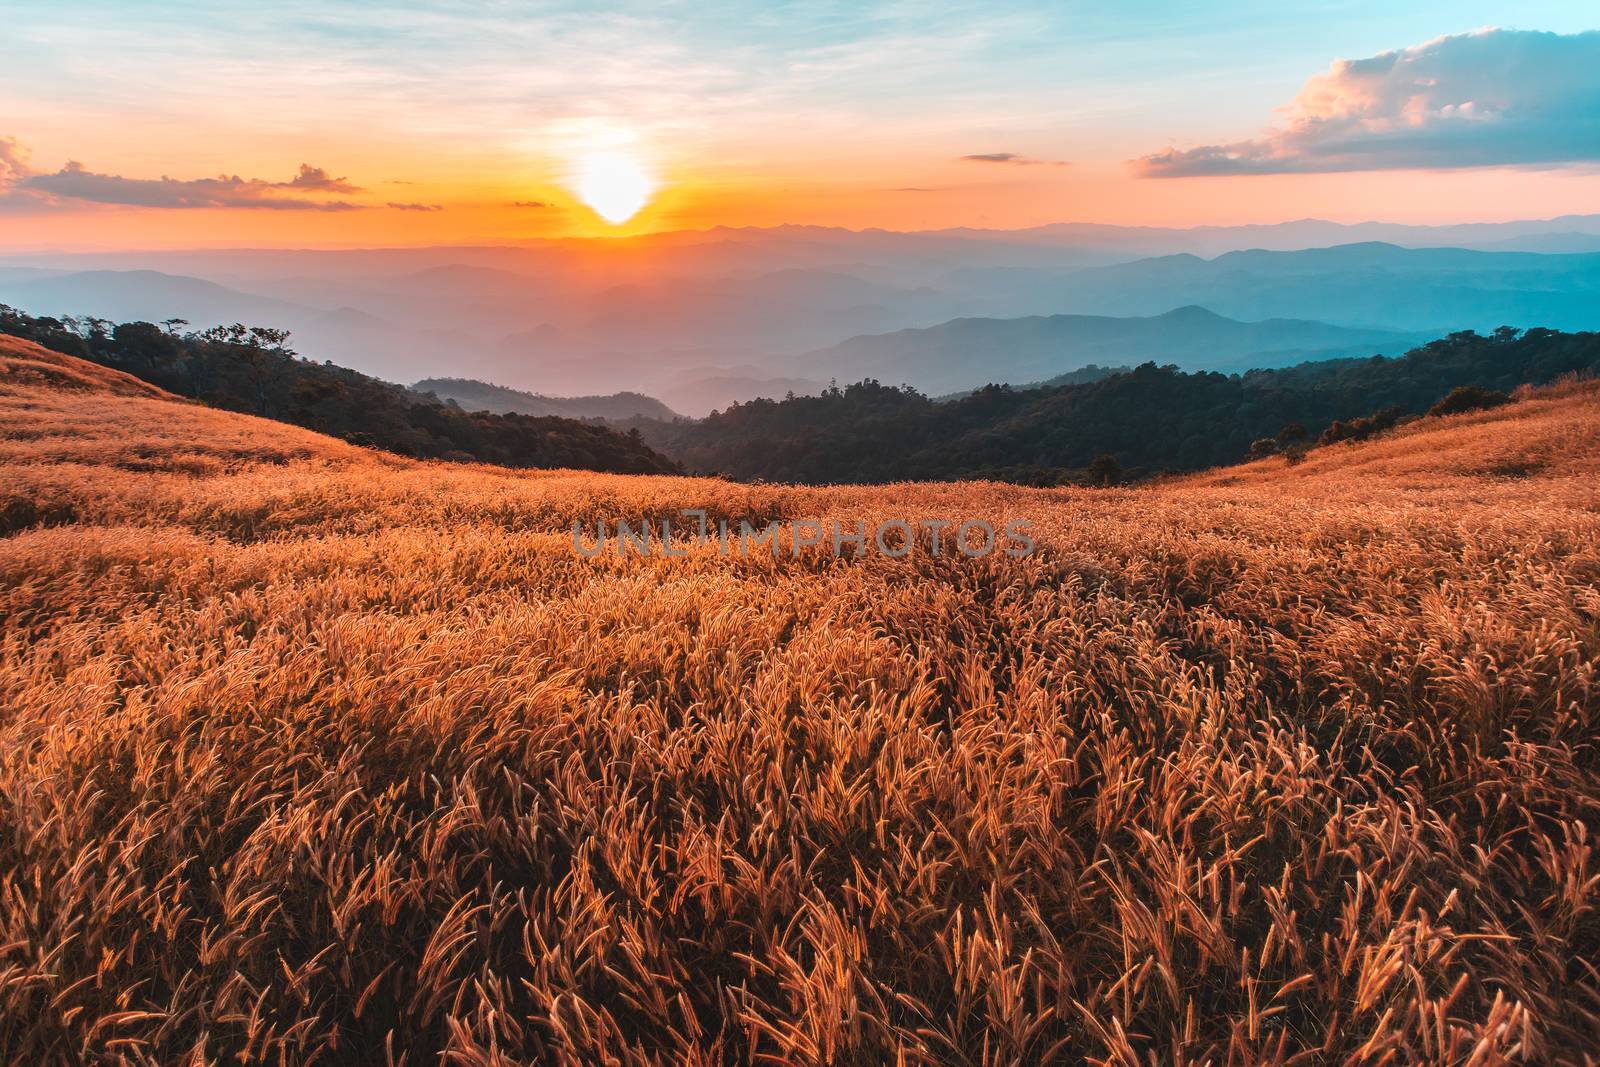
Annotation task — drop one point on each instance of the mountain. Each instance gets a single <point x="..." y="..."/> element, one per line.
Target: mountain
<point x="1299" y="233"/>
<point x="1370" y="284"/>
<point x="1549" y="243"/>
<point x="966" y="353"/>
<point x="1082" y="376"/>
<point x="707" y="391"/>
<point x="344" y="334"/>
<point x="587" y="317"/>
<point x="150" y="295"/>
<point x="774" y="314"/>
<point x="1150" y="419"/>
<point x="482" y="396"/>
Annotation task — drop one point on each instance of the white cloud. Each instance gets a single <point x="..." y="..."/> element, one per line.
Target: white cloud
<point x="1491" y="98"/>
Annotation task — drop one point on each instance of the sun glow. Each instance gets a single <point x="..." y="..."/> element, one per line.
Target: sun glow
<point x="614" y="184"/>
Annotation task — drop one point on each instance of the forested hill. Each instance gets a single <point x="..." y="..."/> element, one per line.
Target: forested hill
<point x="1150" y="419"/>
<point x="253" y="370"/>
<point x="474" y="395"/>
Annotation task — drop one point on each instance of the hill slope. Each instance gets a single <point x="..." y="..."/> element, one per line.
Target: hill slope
<point x="310" y="751"/>
<point x="252" y="370"/>
<point x="24" y="362"/>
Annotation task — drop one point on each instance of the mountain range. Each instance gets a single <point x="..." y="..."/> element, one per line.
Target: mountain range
<point x="966" y="353"/>
<point x="700" y="319"/>
<point x="1368" y="285"/>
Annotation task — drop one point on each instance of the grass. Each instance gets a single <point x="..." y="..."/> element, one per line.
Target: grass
<point x="310" y="755"/>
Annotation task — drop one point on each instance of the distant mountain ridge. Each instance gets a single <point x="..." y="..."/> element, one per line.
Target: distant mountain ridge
<point x="1368" y="284"/>
<point x="1576" y="232"/>
<point x="474" y="395"/>
<point x="700" y="319"/>
<point x="966" y="353"/>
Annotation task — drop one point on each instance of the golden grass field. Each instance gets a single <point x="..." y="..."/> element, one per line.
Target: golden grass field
<point x="314" y="755"/>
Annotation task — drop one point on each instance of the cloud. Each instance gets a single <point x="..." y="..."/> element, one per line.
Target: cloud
<point x="1013" y="158"/>
<point x="315" y="179"/>
<point x="13" y="161"/>
<point x="22" y="188"/>
<point x="530" y="203"/>
<point x="1490" y="98"/>
<point x="414" y="207"/>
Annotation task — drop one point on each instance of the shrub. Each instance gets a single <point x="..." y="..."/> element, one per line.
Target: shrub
<point x="1469" y="398"/>
<point x="1262" y="447"/>
<point x="1362" y="428"/>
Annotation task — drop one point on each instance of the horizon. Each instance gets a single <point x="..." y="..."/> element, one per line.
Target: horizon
<point x="468" y="243"/>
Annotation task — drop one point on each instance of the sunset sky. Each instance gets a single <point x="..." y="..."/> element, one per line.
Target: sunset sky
<point x="128" y="124"/>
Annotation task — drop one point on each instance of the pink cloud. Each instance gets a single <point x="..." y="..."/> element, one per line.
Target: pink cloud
<point x="1490" y="98"/>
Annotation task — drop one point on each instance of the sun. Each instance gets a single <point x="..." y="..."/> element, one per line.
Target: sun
<point x="616" y="185"/>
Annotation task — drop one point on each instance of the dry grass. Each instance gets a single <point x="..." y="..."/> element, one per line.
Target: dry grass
<point x="308" y="755"/>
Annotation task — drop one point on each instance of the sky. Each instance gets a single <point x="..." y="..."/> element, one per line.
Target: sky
<point x="133" y="124"/>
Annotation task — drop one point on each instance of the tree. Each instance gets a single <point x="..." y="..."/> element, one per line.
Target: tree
<point x="270" y="340"/>
<point x="94" y="330"/>
<point x="309" y="393"/>
<point x="256" y="348"/>
<point x="1290" y="434"/>
<point x="1105" y="470"/>
<point x="147" y="343"/>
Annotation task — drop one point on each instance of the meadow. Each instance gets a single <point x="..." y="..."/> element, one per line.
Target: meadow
<point x="311" y="754"/>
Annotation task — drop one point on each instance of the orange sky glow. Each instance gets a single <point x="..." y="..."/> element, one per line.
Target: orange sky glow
<point x="473" y="215"/>
<point x="143" y="126"/>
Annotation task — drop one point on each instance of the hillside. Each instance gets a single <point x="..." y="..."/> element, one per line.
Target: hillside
<point x="967" y="353"/>
<point x="310" y="751"/>
<point x="26" y="363"/>
<point x="254" y="370"/>
<point x="1151" y="419"/>
<point x="482" y="396"/>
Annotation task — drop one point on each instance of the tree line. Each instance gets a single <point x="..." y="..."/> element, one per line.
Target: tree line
<point x="1143" y="421"/>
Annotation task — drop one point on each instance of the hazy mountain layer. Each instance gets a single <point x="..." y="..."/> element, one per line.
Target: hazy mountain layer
<point x="701" y="319"/>
<point x="967" y="353"/>
<point x="483" y="396"/>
